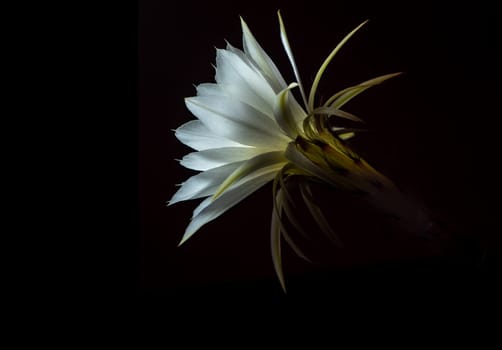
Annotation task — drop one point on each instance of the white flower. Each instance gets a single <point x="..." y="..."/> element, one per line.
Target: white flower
<point x="250" y="130"/>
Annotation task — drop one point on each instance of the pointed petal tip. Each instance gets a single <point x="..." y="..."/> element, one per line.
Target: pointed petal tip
<point x="281" y="22"/>
<point x="176" y="197"/>
<point x="185" y="237"/>
<point x="391" y="75"/>
<point x="190" y="101"/>
<point x="244" y="25"/>
<point x="362" y="24"/>
<point x="181" y="242"/>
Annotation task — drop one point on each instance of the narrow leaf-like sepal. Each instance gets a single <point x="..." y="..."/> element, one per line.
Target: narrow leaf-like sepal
<point x="289" y="52"/>
<point x="275" y="246"/>
<point x="291" y="216"/>
<point x="283" y="198"/>
<point x="317" y="214"/>
<point x="325" y="64"/>
<point x="336" y="112"/>
<point x="346" y="136"/>
<point x="283" y="113"/>
<point x="345" y="95"/>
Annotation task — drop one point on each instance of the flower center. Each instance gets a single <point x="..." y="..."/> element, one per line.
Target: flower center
<point x="328" y="152"/>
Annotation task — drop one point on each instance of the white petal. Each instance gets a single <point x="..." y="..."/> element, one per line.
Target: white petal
<point x="197" y="136"/>
<point x="203" y="184"/>
<point x="245" y="58"/>
<point x="239" y="80"/>
<point x="236" y="121"/>
<point x="229" y="198"/>
<point x="261" y="59"/>
<point x="251" y="166"/>
<point x="212" y="158"/>
<point x="297" y="111"/>
<point x="209" y="89"/>
<point x="203" y="205"/>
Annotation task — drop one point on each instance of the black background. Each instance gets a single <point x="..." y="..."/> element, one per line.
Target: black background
<point x="96" y="167"/>
<point x="433" y="131"/>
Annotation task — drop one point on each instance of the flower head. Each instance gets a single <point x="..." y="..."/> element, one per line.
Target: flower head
<point x="251" y="130"/>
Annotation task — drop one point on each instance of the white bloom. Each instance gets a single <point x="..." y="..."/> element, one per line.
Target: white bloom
<point x="250" y="130"/>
